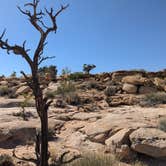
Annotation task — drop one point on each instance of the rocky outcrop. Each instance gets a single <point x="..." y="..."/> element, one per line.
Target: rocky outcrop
<point x="120" y="138"/>
<point x="134" y="80"/>
<point x="149" y="141"/>
<point x="129" y="88"/>
<point x="13" y="134"/>
<point x="22" y="90"/>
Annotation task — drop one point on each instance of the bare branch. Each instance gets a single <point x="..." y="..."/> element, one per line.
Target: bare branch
<point x="62" y="8"/>
<point x="45" y="58"/>
<point x="3" y="33"/>
<point x="27" y="12"/>
<point x="27" y="79"/>
<point x="16" y="49"/>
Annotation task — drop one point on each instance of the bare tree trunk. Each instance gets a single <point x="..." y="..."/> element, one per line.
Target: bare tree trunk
<point x="43" y="114"/>
<point x="44" y="139"/>
<point x="42" y="103"/>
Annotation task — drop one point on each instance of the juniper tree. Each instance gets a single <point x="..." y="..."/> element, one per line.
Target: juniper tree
<point x="36" y="18"/>
<point x="88" y="67"/>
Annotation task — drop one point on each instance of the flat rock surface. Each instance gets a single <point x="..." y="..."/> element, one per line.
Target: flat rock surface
<point x="82" y="131"/>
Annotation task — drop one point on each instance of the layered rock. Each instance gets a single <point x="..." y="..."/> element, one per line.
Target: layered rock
<point x="149" y="141"/>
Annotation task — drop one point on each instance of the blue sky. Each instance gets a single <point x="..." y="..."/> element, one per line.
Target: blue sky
<point x="112" y="34"/>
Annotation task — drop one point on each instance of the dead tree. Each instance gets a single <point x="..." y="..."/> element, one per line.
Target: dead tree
<point x="42" y="103"/>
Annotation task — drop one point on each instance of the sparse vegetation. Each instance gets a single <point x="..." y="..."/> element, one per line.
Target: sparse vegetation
<point x="13" y="74"/>
<point x="25" y="115"/>
<point x="162" y="124"/>
<point x="68" y="92"/>
<point x="154" y="99"/>
<point x="65" y="88"/>
<point x="4" y="91"/>
<point x="77" y="76"/>
<point x="66" y="71"/>
<point x="49" y="73"/>
<point x="50" y="94"/>
<point x="110" y="91"/>
<point x="92" y="85"/>
<point x="72" y="98"/>
<point x="95" y="160"/>
<point x="6" y="160"/>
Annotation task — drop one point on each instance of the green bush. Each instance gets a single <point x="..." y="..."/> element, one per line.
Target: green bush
<point x="50" y="94"/>
<point x="68" y="92"/>
<point x="154" y="99"/>
<point x="4" y="90"/>
<point x="6" y="160"/>
<point x="48" y="71"/>
<point x="65" y="88"/>
<point x="162" y="124"/>
<point x="77" y="76"/>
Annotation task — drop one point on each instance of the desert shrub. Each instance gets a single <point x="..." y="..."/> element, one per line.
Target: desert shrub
<point x="72" y="98"/>
<point x="26" y="103"/>
<point x="95" y="160"/>
<point x="50" y="94"/>
<point x="92" y="85"/>
<point x="110" y="91"/>
<point x="49" y="72"/>
<point x="154" y="99"/>
<point x="65" y="88"/>
<point x="13" y="74"/>
<point x="4" y="90"/>
<point x="162" y="124"/>
<point x="139" y="70"/>
<point x="68" y="92"/>
<point x="6" y="160"/>
<point x="66" y="71"/>
<point x="76" y="76"/>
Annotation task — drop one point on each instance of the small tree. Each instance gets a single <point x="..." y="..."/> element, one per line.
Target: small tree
<point x="13" y="74"/>
<point x="42" y="103"/>
<point x="87" y="68"/>
<point x="66" y="71"/>
<point x="49" y="73"/>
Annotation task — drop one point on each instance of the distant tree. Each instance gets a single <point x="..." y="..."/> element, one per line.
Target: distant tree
<point x="42" y="103"/>
<point x="66" y="71"/>
<point x="13" y="74"/>
<point x="88" y="67"/>
<point x="49" y="73"/>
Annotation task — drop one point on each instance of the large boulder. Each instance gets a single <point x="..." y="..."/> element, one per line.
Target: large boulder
<point x="22" y="90"/>
<point x="129" y="88"/>
<point x="160" y="83"/>
<point x="52" y="87"/>
<point x="135" y="80"/>
<point x="149" y="141"/>
<point x="4" y="83"/>
<point x="120" y="138"/>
